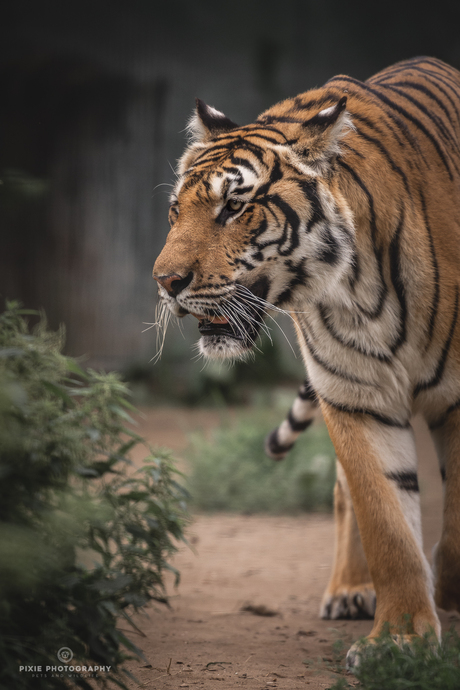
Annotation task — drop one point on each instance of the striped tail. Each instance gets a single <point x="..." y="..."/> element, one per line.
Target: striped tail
<point x="280" y="441"/>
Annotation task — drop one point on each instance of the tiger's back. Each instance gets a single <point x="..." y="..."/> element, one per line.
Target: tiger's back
<point x="399" y="171"/>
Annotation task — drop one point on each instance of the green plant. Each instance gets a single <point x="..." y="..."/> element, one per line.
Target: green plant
<point x="230" y="471"/>
<point x="424" y="664"/>
<point x="84" y="539"/>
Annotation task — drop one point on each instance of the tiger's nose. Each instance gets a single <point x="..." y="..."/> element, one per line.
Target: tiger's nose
<point x="174" y="283"/>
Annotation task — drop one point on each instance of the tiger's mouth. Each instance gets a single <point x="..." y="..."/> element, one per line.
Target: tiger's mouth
<point x="217" y="329"/>
<point x="233" y="333"/>
<point x="217" y="325"/>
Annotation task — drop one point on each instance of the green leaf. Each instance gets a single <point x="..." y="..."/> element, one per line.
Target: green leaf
<point x="126" y="447"/>
<point x="86" y="472"/>
<point x="10" y="352"/>
<point x="121" y="413"/>
<point x="113" y="585"/>
<point x="135" y="496"/>
<point x="60" y="391"/>
<point x="75" y="368"/>
<point x="129" y="645"/>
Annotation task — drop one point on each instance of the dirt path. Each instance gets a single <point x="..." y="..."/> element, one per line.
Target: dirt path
<point x="277" y="565"/>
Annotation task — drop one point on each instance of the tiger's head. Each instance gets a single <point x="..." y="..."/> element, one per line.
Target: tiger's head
<point x="255" y="221"/>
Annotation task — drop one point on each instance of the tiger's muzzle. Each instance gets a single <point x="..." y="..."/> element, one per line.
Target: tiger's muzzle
<point x="228" y="324"/>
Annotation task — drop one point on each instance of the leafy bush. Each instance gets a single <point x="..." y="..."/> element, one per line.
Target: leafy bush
<point x="83" y="539"/>
<point x="422" y="665"/>
<point x="230" y="471"/>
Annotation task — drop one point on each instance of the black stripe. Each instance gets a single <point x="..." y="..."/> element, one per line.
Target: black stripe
<point x="406" y="481"/>
<point x="437" y="122"/>
<point x="355" y="152"/>
<point x="236" y="171"/>
<point x="243" y="190"/>
<point x="434" y="262"/>
<point x="352" y="344"/>
<point x="383" y="290"/>
<point x="400" y="123"/>
<point x="435" y="81"/>
<point x="402" y="111"/>
<point x="329" y="251"/>
<point x="325" y="101"/>
<point x="300" y="277"/>
<point x="424" y="89"/>
<point x="437" y="376"/>
<point x="264" y="137"/>
<point x="220" y="148"/>
<point x="370" y="200"/>
<point x="447" y="69"/>
<point x="307" y="392"/>
<point x="296" y="424"/>
<point x="374" y="126"/>
<point x="243" y="262"/>
<point x="384" y="151"/>
<point x="418" y="65"/>
<point x="405" y="113"/>
<point x="214" y="150"/>
<point x="275" y="175"/>
<point x="275" y="447"/>
<point x="292" y="221"/>
<point x="443" y="473"/>
<point x="331" y="369"/>
<point x="403" y="66"/>
<point x="398" y="284"/>
<point x="443" y="418"/>
<point x="382" y="419"/>
<point x="256" y="150"/>
<point x="310" y="190"/>
<point x="243" y="162"/>
<point x="454" y="89"/>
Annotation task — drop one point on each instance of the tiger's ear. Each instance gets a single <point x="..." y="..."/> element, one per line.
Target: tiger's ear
<point x="318" y="139"/>
<point x="207" y="122"/>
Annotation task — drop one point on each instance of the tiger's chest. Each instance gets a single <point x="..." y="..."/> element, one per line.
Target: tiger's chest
<point x="352" y="359"/>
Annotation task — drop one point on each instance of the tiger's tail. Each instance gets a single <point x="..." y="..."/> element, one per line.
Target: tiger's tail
<point x="280" y="441"/>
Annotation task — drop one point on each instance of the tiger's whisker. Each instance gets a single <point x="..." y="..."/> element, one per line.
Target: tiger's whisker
<point x="150" y="325"/>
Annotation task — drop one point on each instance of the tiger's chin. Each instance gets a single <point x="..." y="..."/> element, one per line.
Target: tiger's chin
<point x="223" y="347"/>
<point x="228" y="338"/>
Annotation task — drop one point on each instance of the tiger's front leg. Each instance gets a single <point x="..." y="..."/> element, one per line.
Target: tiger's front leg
<point x="350" y="592"/>
<point x="379" y="461"/>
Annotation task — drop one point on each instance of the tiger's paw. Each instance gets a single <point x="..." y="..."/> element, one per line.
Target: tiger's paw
<point x="370" y="646"/>
<point x="349" y="602"/>
<point x="357" y="651"/>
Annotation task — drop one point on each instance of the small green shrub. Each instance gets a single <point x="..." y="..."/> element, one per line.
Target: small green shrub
<point x="84" y="540"/>
<point x="422" y="665"/>
<point x="230" y="470"/>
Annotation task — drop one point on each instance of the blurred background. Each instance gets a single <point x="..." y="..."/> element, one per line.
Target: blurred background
<point x="95" y="96"/>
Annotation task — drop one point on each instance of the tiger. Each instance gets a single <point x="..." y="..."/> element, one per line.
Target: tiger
<point x="341" y="207"/>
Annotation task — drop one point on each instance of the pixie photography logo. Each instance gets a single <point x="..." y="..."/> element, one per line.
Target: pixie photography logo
<point x="65" y="656"/>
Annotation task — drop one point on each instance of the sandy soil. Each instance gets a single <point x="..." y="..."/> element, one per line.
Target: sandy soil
<point x="264" y="564"/>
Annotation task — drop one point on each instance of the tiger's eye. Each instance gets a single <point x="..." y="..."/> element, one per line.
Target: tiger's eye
<point x="234" y="205"/>
<point x="173" y="213"/>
